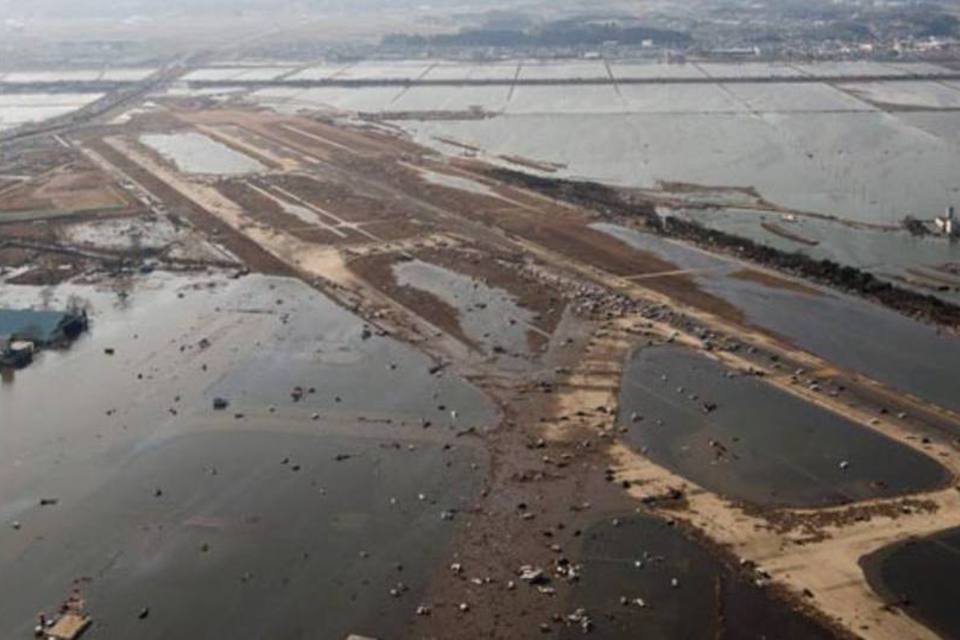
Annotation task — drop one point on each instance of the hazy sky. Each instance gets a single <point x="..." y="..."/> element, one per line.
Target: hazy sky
<point x="126" y="8"/>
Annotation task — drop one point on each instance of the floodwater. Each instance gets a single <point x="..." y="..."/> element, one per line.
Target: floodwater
<point x="305" y="215"/>
<point x="457" y="182"/>
<point x="830" y="159"/>
<point x="196" y="153"/>
<point x="808" y="147"/>
<point x="887" y="254"/>
<point x="759" y="444"/>
<point x="22" y="108"/>
<point x="250" y="521"/>
<point x="848" y="331"/>
<point x="921" y="576"/>
<point x="490" y="316"/>
<point x="641" y="557"/>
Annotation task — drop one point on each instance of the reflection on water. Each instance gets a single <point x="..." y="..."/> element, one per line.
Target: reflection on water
<point x="748" y="440"/>
<point x="488" y="315"/>
<point x="848" y="331"/>
<point x="196" y="153"/>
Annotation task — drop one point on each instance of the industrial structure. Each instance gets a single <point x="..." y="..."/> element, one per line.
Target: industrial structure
<point x="947" y="223"/>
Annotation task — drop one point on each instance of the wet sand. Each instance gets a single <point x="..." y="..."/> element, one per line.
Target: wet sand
<point x="738" y="436"/>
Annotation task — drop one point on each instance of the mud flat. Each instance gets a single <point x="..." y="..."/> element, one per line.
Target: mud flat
<point x="919" y="576"/>
<point x="291" y="518"/>
<point x="642" y="557"/>
<point x="742" y="438"/>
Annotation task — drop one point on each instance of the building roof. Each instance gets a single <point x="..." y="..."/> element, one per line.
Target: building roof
<point x="36" y="326"/>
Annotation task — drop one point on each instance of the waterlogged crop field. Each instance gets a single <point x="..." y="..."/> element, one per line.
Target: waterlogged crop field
<point x="22" y="108"/>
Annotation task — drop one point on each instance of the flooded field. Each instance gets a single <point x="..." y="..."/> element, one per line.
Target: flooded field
<point x="843" y="329"/>
<point x="22" y="108"/>
<point x="821" y="160"/>
<point x="227" y="451"/>
<point x="642" y="557"/>
<point x="919" y="262"/>
<point x="819" y="148"/>
<point x="457" y="182"/>
<point x="919" y="577"/>
<point x="488" y="316"/>
<point x="175" y="519"/>
<point x="740" y="437"/>
<point x="194" y="152"/>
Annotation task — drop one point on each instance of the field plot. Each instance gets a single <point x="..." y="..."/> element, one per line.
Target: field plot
<point x="918" y="574"/>
<point x="60" y="75"/>
<point x="925" y="68"/>
<point x="749" y="70"/>
<point x="834" y="163"/>
<point x="23" y="108"/>
<point x="496" y="71"/>
<point x="373" y="70"/>
<point x="566" y="99"/>
<point x="758" y="444"/>
<point x="796" y="97"/>
<point x="196" y="153"/>
<point x="371" y="99"/>
<point x="263" y="73"/>
<point x="679" y="98"/>
<point x="492" y="98"/>
<point x="216" y="73"/>
<point x="451" y="71"/>
<point x="563" y="70"/>
<point x="855" y="68"/>
<point x="922" y="94"/>
<point x="642" y="70"/>
<point x="126" y="75"/>
<point x="64" y="191"/>
<point x="321" y="71"/>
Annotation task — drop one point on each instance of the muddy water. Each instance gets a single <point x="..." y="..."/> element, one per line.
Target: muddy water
<point x="921" y="575"/>
<point x="488" y="315"/>
<point x="259" y="549"/>
<point x="196" y="153"/>
<point x="845" y="330"/>
<point x="236" y="539"/>
<point x="641" y="557"/>
<point x="323" y="347"/>
<point x="759" y="444"/>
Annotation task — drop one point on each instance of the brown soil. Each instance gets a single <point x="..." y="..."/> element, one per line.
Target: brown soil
<point x="505" y="272"/>
<point x="71" y="187"/>
<point x="248" y="251"/>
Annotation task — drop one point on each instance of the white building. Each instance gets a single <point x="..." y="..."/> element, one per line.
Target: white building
<point x="947" y="224"/>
